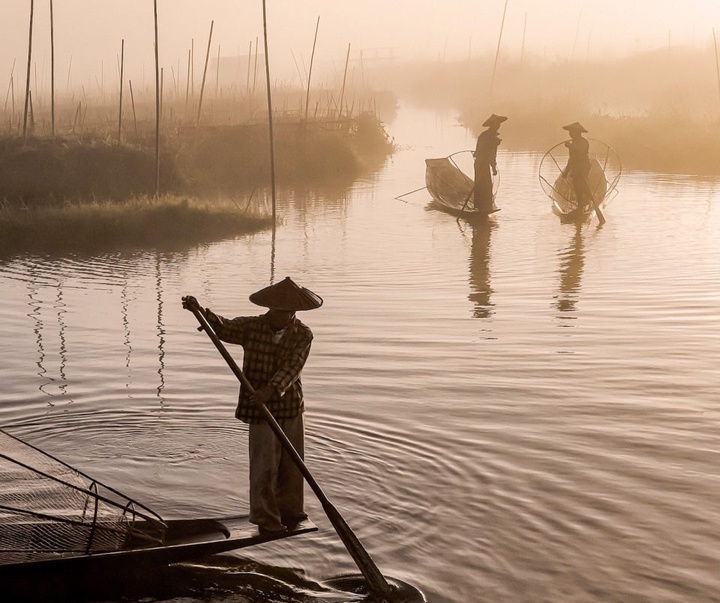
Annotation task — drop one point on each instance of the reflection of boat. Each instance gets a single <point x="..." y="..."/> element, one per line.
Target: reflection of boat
<point x="451" y="188"/>
<point x="60" y="528"/>
<point x="605" y="172"/>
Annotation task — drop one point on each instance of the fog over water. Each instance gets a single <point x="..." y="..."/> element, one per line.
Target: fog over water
<point x="88" y="33"/>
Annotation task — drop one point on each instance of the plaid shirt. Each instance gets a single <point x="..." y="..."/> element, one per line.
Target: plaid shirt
<point x="265" y="361"/>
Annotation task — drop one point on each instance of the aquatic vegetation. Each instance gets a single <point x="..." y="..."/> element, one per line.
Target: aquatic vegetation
<point x="167" y="222"/>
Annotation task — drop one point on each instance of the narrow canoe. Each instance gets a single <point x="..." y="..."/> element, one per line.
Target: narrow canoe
<point x="452" y="189"/>
<point x="71" y="573"/>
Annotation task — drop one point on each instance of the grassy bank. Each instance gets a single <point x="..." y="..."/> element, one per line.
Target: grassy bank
<point x="193" y="161"/>
<point x="166" y="223"/>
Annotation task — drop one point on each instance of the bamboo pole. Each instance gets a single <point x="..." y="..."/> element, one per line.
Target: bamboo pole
<point x="342" y="90"/>
<point x="187" y="85"/>
<point x="247" y="83"/>
<point x="11" y="89"/>
<point x="132" y="101"/>
<point x="202" y="86"/>
<point x="717" y="61"/>
<point x="27" y="81"/>
<point x="312" y="58"/>
<point x="256" y="65"/>
<point x="52" y="70"/>
<point x="122" y="72"/>
<point x="497" y="50"/>
<point x="157" y="104"/>
<point x="270" y="115"/>
<point x="67" y="83"/>
<point x="217" y="73"/>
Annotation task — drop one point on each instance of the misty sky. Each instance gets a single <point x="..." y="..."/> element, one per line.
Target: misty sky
<point x="88" y="33"/>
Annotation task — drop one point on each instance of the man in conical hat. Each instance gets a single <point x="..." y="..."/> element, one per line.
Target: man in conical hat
<point x="578" y="165"/>
<point x="276" y="345"/>
<point x="485" y="160"/>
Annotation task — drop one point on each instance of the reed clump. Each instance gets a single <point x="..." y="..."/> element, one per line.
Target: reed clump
<point x="44" y="171"/>
<point x="168" y="222"/>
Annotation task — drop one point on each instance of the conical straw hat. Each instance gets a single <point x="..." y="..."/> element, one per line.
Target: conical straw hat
<point x="575" y="126"/>
<point x="286" y="295"/>
<point x="494" y="120"/>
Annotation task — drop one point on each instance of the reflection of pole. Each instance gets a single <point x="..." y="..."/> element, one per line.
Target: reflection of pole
<point x="497" y="50"/>
<point x="160" y="329"/>
<point x="270" y="115"/>
<point x="272" y="256"/>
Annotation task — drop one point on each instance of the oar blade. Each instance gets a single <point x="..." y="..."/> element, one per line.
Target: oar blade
<point x="376" y="581"/>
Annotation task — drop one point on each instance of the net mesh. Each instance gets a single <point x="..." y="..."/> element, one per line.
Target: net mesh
<point x="48" y="509"/>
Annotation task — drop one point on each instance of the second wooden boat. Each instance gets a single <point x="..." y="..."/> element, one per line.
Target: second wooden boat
<point x="452" y="189"/>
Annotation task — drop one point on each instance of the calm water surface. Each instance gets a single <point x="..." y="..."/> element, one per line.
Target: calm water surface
<point x="521" y="412"/>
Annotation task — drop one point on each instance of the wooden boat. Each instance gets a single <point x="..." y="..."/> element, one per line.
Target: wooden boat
<point x="61" y="530"/>
<point x="79" y="572"/>
<point x="564" y="199"/>
<point x="452" y="189"/>
<point x="605" y="172"/>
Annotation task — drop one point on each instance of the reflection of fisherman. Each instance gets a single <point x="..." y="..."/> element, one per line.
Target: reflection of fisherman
<point x="578" y="165"/>
<point x="486" y="159"/>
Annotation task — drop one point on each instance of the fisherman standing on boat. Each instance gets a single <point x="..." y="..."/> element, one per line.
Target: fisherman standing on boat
<point x="578" y="165"/>
<point x="276" y="345"/>
<point x="485" y="160"/>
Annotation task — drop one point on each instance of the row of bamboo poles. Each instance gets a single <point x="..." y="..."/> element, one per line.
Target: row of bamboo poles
<point x="233" y="103"/>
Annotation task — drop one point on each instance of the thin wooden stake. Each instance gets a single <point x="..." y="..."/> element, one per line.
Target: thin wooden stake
<point x="312" y="58"/>
<point x="497" y="50"/>
<point x="217" y="73"/>
<point x="27" y="82"/>
<point x="122" y="71"/>
<point x="270" y="115"/>
<point x="717" y="61"/>
<point x="52" y="70"/>
<point x="202" y="86"/>
<point x="157" y="104"/>
<point x="342" y="90"/>
<point x="132" y="101"/>
<point x="247" y="83"/>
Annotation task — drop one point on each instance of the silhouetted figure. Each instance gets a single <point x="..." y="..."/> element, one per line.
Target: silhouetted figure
<point x="276" y="345"/>
<point x="485" y="160"/>
<point x="577" y="169"/>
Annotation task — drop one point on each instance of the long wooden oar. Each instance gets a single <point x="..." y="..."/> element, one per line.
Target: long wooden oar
<point x="377" y="583"/>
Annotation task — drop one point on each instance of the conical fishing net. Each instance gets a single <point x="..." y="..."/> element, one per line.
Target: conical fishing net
<point x="48" y="509"/>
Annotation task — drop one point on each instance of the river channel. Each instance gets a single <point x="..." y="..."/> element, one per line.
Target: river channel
<point x="519" y="412"/>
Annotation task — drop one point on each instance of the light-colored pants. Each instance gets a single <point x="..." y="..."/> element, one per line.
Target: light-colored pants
<point x="276" y="484"/>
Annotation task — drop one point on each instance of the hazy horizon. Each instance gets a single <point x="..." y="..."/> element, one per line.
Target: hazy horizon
<point x="89" y="33"/>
